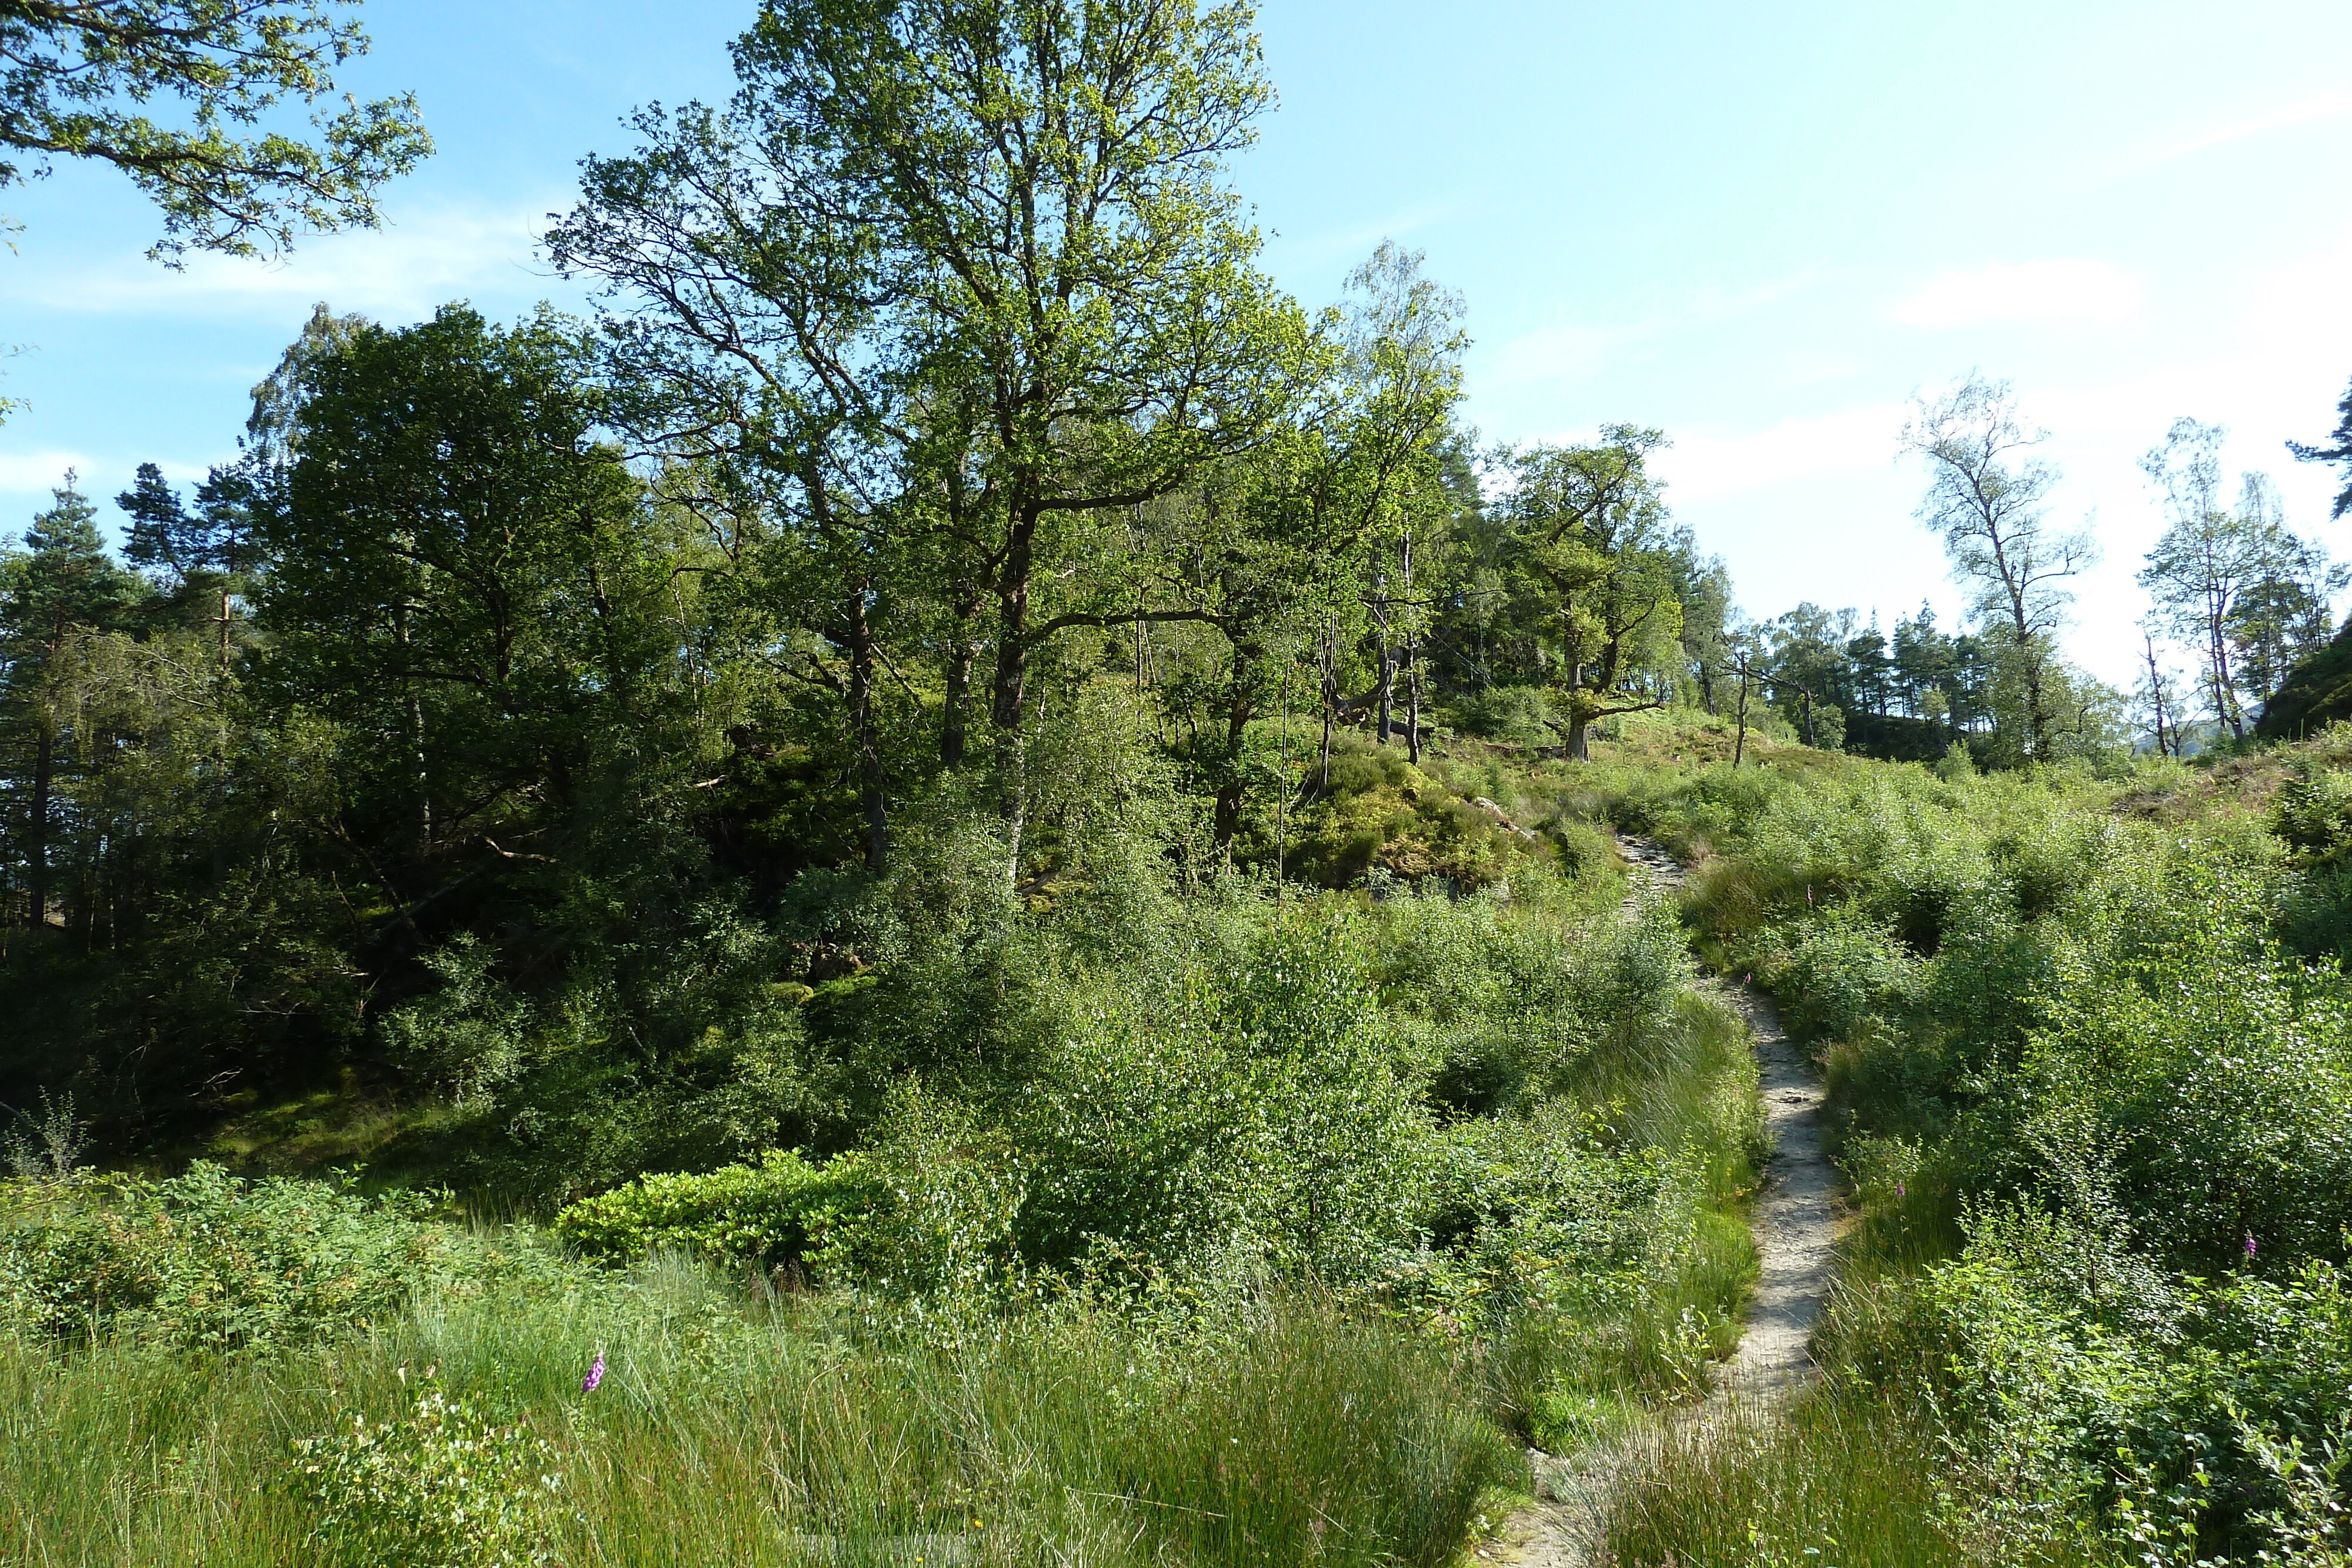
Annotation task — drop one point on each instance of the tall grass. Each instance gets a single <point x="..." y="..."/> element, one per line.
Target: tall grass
<point x="1687" y="1093"/>
<point x="1831" y="1483"/>
<point x="782" y="1432"/>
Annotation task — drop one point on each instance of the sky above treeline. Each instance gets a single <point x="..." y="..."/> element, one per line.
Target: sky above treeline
<point x="1759" y="228"/>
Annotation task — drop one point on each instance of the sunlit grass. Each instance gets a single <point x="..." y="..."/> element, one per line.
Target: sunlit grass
<point x="1828" y="1483"/>
<point x="790" y="1432"/>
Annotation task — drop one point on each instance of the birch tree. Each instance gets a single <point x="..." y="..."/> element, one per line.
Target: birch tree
<point x="1988" y="495"/>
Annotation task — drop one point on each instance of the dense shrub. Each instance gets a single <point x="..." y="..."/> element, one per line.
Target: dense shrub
<point x="2074" y="1038"/>
<point x="768" y="1213"/>
<point x="2086" y="1383"/>
<point x="207" y="1261"/>
<point x="1381" y="814"/>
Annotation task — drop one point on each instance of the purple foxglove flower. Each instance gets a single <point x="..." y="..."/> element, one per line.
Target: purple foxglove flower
<point x="2250" y="1243"/>
<point x="595" y="1376"/>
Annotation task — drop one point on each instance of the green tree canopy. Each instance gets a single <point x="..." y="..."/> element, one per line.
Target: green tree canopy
<point x="993" y="242"/>
<point x="77" y="76"/>
<point x="57" y="589"/>
<point x="457" y="574"/>
<point x="1592" y="537"/>
<point x="1987" y="495"/>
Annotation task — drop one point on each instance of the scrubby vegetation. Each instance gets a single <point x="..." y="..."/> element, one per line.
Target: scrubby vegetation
<point x="943" y="892"/>
<point x="1247" y="1223"/>
<point x="2089" y="1041"/>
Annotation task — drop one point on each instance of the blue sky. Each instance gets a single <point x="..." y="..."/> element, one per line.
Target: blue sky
<point x="1759" y="227"/>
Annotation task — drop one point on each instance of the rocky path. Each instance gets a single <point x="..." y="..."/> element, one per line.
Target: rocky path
<point x="1795" y="1224"/>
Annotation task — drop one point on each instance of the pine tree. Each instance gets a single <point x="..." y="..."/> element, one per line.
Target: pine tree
<point x="60" y="585"/>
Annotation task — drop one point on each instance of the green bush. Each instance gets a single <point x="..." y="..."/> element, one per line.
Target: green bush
<point x="2086" y="1382"/>
<point x="1841" y="973"/>
<point x="1518" y="714"/>
<point x="2313" y="812"/>
<point x="439" y="1488"/>
<point x="470" y="1037"/>
<point x="776" y="1211"/>
<point x="1248" y="1111"/>
<point x="2068" y="1046"/>
<point x="206" y="1261"/>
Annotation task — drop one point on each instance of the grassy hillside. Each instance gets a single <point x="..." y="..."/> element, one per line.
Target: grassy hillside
<point x="1221" y="1221"/>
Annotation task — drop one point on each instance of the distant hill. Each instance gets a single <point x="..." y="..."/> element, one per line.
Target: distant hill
<point x="2317" y="694"/>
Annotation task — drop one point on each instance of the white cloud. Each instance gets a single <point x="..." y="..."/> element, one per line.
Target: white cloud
<point x="2309" y="112"/>
<point x="416" y="261"/>
<point x="2066" y="290"/>
<point x="1808" y="368"/>
<point x="39" y="472"/>
<point x="1704" y="467"/>
<point x="1548" y="354"/>
<point x="1353" y="244"/>
<point x="1575" y="348"/>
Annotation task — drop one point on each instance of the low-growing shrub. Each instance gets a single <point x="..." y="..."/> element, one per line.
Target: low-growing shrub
<point x="776" y="1211"/>
<point x="1840" y="973"/>
<point x="440" y="1487"/>
<point x="2086" y="1383"/>
<point x="207" y="1260"/>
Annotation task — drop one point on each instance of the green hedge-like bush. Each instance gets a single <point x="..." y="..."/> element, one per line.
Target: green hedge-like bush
<point x="779" y="1210"/>
<point x="209" y="1261"/>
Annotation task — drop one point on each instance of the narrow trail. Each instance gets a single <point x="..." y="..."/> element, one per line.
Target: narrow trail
<point x="1795" y="1223"/>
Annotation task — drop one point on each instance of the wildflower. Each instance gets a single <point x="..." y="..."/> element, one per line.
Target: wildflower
<point x="595" y="1376"/>
<point x="1899" y="1192"/>
<point x="2250" y="1243"/>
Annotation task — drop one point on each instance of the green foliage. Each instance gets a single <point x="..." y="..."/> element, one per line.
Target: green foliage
<point x="2093" y="1386"/>
<point x="204" y="1262"/>
<point x="2317" y="693"/>
<point x="73" y="72"/>
<point x="768" y="1213"/>
<point x="468" y="1034"/>
<point x="1831" y="1485"/>
<point x="1383" y="816"/>
<point x="440" y="1488"/>
<point x="2097" y="1118"/>
<point x="2313" y="812"/>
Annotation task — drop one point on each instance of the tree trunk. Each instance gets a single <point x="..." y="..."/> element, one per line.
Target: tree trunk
<point x="1241" y="704"/>
<point x="424" y="802"/>
<point x="36" y="868"/>
<point x="1412" y="701"/>
<point x="873" y="781"/>
<point x="1331" y="673"/>
<point x="1739" y="747"/>
<point x="2156" y="696"/>
<point x="951" y="711"/>
<point x="2225" y="688"/>
<point x="1411" y="656"/>
<point x="1008" y="693"/>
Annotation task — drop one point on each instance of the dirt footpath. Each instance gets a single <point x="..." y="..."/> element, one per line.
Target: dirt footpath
<point x="1795" y="1222"/>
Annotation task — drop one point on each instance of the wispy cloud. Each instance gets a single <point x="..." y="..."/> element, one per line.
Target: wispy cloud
<point x="418" y="260"/>
<point x="39" y="472"/>
<point x="2071" y="291"/>
<point x="1353" y="244"/>
<point x="1576" y="348"/>
<point x="1700" y="467"/>
<point x="2308" y="111"/>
